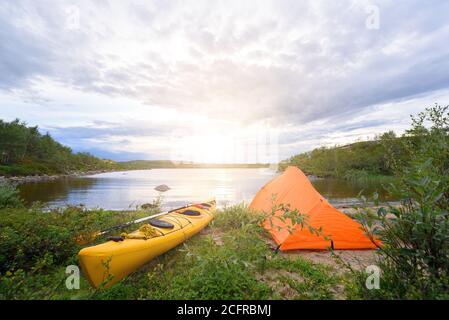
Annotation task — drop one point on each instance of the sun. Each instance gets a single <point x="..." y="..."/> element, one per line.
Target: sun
<point x="207" y="149"/>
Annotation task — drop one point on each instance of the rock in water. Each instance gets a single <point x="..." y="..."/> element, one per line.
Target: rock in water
<point x="147" y="206"/>
<point x="162" y="188"/>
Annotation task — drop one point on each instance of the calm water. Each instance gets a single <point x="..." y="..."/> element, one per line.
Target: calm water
<point x="124" y="190"/>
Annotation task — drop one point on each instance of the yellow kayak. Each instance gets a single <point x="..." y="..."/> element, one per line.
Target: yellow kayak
<point x="109" y="262"/>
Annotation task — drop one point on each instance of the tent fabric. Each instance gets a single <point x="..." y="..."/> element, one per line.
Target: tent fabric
<point x="294" y="188"/>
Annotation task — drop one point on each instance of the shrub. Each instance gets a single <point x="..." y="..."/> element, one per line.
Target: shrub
<point x="29" y="235"/>
<point x="236" y="217"/>
<point x="414" y="257"/>
<point x="9" y="197"/>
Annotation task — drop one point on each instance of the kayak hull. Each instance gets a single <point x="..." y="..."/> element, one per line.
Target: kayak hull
<point x="107" y="263"/>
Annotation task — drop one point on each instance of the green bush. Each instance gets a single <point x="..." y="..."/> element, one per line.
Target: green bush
<point x="29" y="235"/>
<point x="237" y="217"/>
<point x="364" y="177"/>
<point x="414" y="257"/>
<point x="361" y="159"/>
<point x="220" y="274"/>
<point x="37" y="244"/>
<point x="9" y="197"/>
<point x="360" y="162"/>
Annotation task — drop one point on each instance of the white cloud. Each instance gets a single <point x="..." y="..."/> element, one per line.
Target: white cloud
<point x="300" y="67"/>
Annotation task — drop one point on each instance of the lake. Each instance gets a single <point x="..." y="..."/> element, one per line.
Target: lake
<point x="126" y="190"/>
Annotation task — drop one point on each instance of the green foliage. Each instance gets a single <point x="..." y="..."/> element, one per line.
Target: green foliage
<point x="361" y="162"/>
<point x="307" y="281"/>
<point x="362" y="177"/>
<point x="212" y="274"/>
<point x="291" y="219"/>
<point x="30" y="235"/>
<point x="36" y="246"/>
<point x="237" y="217"/>
<point x="48" y="283"/>
<point x="414" y="257"/>
<point x="25" y="151"/>
<point x="9" y="197"/>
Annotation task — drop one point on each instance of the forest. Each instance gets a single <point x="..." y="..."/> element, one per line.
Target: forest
<point x="360" y="161"/>
<point x="26" y="151"/>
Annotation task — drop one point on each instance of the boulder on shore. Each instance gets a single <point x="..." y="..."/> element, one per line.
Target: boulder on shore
<point x="162" y="188"/>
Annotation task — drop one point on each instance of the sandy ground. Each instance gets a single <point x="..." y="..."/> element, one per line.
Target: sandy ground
<point x="357" y="259"/>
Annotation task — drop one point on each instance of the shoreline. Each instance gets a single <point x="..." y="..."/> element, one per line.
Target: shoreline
<point x="44" y="177"/>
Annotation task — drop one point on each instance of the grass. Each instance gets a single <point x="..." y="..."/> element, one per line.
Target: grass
<point x="228" y="260"/>
<point x="364" y="177"/>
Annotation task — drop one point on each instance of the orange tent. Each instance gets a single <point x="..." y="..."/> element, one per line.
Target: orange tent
<point x="294" y="188"/>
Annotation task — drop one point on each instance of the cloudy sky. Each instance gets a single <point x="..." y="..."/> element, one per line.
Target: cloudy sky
<point x="220" y="81"/>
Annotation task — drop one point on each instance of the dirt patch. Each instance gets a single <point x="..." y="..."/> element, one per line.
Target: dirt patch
<point x="357" y="259"/>
<point x="217" y="236"/>
<point x="279" y="287"/>
<point x="339" y="292"/>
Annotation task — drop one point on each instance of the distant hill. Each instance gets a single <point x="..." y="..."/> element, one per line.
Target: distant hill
<point x="154" y="164"/>
<point x="25" y="151"/>
<point x="355" y="161"/>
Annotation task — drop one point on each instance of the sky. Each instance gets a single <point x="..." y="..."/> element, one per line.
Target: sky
<point x="220" y="81"/>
